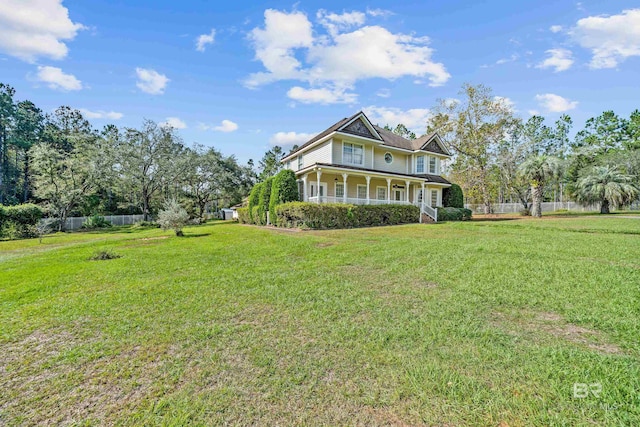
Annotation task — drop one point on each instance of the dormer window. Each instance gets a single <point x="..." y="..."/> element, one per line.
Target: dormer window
<point x="432" y="165"/>
<point x="300" y="162"/>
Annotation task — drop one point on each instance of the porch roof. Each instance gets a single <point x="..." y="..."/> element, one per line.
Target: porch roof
<point x="432" y="179"/>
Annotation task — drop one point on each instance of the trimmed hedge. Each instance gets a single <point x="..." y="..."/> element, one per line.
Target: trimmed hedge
<point x="329" y="215"/>
<point x="284" y="188"/>
<point x="254" y="199"/>
<point x="19" y="221"/>
<point x="263" y="204"/>
<point x="453" y="197"/>
<point x="454" y="214"/>
<point x="243" y="216"/>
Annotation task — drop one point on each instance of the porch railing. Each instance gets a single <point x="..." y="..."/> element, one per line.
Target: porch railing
<point x="432" y="212"/>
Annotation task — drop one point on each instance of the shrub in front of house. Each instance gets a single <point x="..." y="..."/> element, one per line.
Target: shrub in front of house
<point x="328" y="215"/>
<point x="243" y="215"/>
<point x="263" y="203"/>
<point x="284" y="188"/>
<point x="19" y="221"/>
<point x="454" y="214"/>
<point x="254" y="200"/>
<point x="453" y="197"/>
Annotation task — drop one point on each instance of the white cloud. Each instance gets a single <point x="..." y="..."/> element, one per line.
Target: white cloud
<point x="335" y="23"/>
<point x="555" y="28"/>
<point x="555" y="103"/>
<point x="204" y="39"/>
<point x="383" y="93"/>
<point x="379" y="13"/>
<point x="285" y="139"/>
<point x="414" y="119"/>
<point x="150" y="81"/>
<point x="559" y="59"/>
<point x="225" y="126"/>
<point x="514" y="57"/>
<point x="324" y="96"/>
<point x="274" y="46"/>
<point x="35" y="28"/>
<point x="56" y="79"/>
<point x="174" y="122"/>
<point x="611" y="39"/>
<point x="288" y="49"/>
<point x="101" y="114"/>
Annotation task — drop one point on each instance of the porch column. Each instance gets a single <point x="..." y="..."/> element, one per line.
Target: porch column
<point x="407" y="184"/>
<point x="388" y="190"/>
<point x="422" y="203"/>
<point x="318" y="175"/>
<point x="344" y="181"/>
<point x="305" y="191"/>
<point x="368" y="178"/>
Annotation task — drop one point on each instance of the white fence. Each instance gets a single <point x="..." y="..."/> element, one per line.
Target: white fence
<point x="546" y="207"/>
<point x="75" y="223"/>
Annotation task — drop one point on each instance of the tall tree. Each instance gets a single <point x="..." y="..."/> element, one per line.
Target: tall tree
<point x="538" y="170"/>
<point x="146" y="157"/>
<point x="473" y="127"/>
<point x="29" y="126"/>
<point x="271" y="162"/>
<point x="7" y="117"/>
<point x="401" y="130"/>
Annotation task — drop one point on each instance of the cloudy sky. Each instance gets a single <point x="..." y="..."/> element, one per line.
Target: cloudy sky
<point x="245" y="75"/>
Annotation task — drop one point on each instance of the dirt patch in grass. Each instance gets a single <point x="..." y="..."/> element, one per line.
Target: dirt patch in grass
<point x="145" y="239"/>
<point x="48" y="379"/>
<point x="541" y="325"/>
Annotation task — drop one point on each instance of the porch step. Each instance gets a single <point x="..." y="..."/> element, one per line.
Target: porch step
<point x="427" y="219"/>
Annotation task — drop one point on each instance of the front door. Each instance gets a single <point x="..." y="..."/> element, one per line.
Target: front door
<point x="398" y="195"/>
<point x="314" y="190"/>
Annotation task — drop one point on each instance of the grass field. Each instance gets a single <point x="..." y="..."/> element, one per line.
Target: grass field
<point x="481" y="323"/>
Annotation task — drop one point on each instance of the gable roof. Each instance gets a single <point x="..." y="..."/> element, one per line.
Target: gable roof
<point x="349" y="125"/>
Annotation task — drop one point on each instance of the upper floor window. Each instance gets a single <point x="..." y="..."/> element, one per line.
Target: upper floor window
<point x="420" y="164"/>
<point x="388" y="157"/>
<point x="352" y="153"/>
<point x="432" y="164"/>
<point x="300" y="162"/>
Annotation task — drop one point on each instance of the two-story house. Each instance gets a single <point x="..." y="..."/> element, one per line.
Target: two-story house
<point x="357" y="162"/>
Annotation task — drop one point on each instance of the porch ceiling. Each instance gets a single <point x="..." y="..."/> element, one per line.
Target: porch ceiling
<point x="354" y="170"/>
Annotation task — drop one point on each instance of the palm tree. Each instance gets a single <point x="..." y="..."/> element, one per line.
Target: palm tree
<point x="538" y="170"/>
<point x="605" y="185"/>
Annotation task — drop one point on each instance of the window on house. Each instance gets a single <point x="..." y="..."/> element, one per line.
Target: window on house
<point x="432" y="164"/>
<point x="381" y="193"/>
<point x="339" y="189"/>
<point x="362" y="191"/>
<point x="434" y="198"/>
<point x="352" y="154"/>
<point x="420" y="164"/>
<point x="300" y="162"/>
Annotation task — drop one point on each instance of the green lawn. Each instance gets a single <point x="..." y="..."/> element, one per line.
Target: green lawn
<point x="481" y="323"/>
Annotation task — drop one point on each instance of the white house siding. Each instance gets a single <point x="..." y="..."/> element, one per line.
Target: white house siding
<point x="337" y="151"/>
<point x="318" y="154"/>
<point x="399" y="164"/>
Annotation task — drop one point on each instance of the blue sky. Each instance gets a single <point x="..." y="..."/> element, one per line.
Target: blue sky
<point x="242" y="76"/>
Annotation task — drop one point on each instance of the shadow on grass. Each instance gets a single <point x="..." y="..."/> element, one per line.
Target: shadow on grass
<point x="195" y="235"/>
<point x="495" y="219"/>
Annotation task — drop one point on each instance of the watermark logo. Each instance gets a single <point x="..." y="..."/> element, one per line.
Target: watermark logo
<point x="584" y="390"/>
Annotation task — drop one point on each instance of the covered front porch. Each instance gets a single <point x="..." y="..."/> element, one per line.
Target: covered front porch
<point x="335" y="185"/>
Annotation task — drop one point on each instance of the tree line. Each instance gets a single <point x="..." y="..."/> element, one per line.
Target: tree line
<point x="501" y="157"/>
<point x="59" y="161"/>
